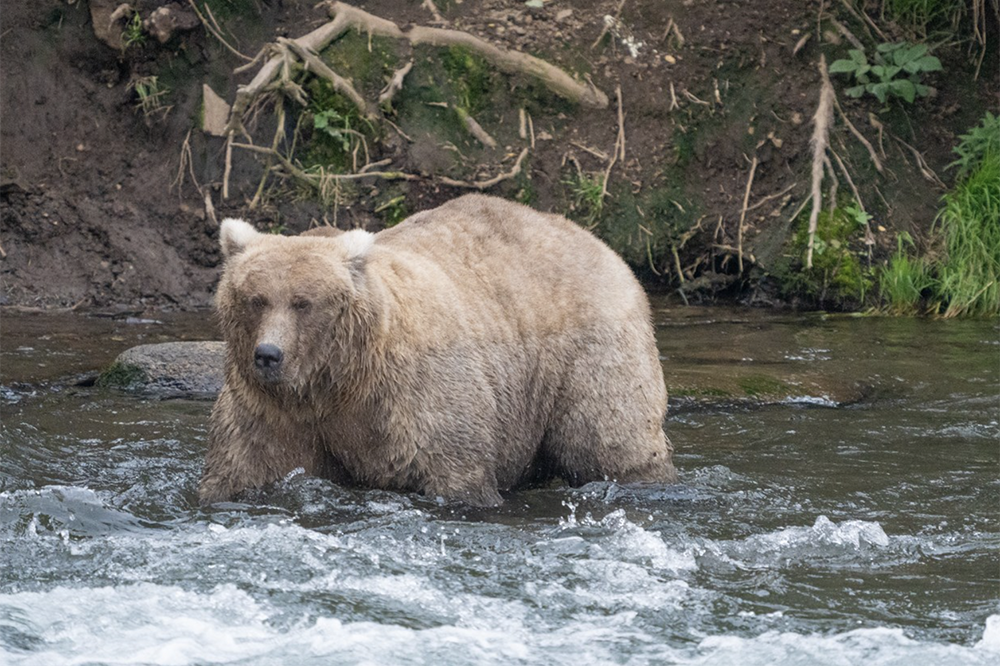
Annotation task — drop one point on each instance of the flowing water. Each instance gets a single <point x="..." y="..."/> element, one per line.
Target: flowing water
<point x="812" y="530"/>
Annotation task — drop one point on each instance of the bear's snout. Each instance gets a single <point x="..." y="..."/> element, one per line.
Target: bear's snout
<point x="267" y="358"/>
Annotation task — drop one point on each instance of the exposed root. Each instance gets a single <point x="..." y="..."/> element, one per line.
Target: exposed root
<point x="394" y="86"/>
<point x="432" y="8"/>
<point x="619" y="150"/>
<point x="214" y="31"/>
<point x="820" y="140"/>
<point x="486" y="184"/>
<point x="339" y="83"/>
<point x="743" y="214"/>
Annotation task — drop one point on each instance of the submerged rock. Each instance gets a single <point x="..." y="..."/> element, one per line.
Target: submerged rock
<point x="170" y="369"/>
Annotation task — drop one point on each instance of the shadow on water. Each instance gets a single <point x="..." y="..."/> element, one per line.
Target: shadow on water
<point x="844" y="510"/>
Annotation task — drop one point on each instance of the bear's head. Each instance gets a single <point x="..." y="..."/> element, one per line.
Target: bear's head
<point x="293" y="310"/>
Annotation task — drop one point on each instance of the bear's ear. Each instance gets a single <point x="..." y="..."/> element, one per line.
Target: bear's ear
<point x="234" y="236"/>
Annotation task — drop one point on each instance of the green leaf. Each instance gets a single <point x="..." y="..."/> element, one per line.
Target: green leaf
<point x="886" y="48"/>
<point x="915" y="51"/>
<point x="921" y="89"/>
<point x="843" y="66"/>
<point x="904" y="89"/>
<point x="856" y="91"/>
<point x="880" y="90"/>
<point x="929" y="64"/>
<point x="858" y="56"/>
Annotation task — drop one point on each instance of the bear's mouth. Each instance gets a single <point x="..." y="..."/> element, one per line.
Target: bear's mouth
<point x="268" y="376"/>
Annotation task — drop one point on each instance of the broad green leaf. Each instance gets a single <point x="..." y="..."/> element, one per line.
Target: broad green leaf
<point x="886" y="48"/>
<point x="880" y="90"/>
<point x="904" y="89"/>
<point x="856" y="91"/>
<point x="843" y="66"/>
<point x="929" y="64"/>
<point x="858" y="56"/>
<point x="921" y="89"/>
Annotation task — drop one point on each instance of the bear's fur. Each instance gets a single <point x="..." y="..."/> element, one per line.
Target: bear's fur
<point x="470" y="349"/>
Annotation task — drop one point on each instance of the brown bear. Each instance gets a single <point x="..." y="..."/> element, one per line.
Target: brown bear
<point x="471" y="349"/>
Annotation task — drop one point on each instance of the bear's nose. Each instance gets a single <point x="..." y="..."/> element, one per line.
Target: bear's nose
<point x="267" y="356"/>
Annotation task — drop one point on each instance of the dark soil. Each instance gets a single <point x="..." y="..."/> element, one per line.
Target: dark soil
<point x="93" y="215"/>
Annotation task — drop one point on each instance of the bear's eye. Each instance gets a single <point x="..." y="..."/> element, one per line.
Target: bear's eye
<point x="258" y="302"/>
<point x="301" y="304"/>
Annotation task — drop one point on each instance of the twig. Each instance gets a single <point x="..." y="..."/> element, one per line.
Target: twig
<point x="695" y="99"/>
<point x="432" y="8"/>
<point x="522" y="123"/>
<point x="673" y="98"/>
<point x="925" y="170"/>
<point x="3" y="252"/>
<point x="229" y="166"/>
<point x="599" y="154"/>
<point x="864" y="18"/>
<point x="475" y="129"/>
<point x="842" y="29"/>
<point x="340" y="84"/>
<point x="210" y="208"/>
<point x="820" y="140"/>
<point x="856" y="133"/>
<point x="395" y="85"/>
<point x="304" y="175"/>
<point x="743" y="213"/>
<point x="619" y="149"/>
<point x="771" y="196"/>
<point x="608" y="24"/>
<point x="213" y="32"/>
<point x="486" y="184"/>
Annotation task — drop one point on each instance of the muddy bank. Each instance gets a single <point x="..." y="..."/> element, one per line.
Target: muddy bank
<point x="103" y="193"/>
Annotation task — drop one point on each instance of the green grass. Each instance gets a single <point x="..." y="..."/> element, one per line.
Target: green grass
<point x="903" y="282"/>
<point x="969" y="223"/>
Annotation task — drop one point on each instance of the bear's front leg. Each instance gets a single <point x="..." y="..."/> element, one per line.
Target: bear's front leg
<point x="250" y="449"/>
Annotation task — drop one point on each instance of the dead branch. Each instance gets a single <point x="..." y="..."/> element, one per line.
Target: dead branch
<point x="486" y="184"/>
<point x="513" y="62"/>
<point x="394" y="86"/>
<point x="743" y="213"/>
<point x="820" y="140"/>
<point x="475" y="129"/>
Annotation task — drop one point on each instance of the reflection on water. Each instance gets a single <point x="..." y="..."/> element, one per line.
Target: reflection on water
<point x="799" y="533"/>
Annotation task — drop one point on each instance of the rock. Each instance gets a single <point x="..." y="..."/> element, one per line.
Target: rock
<point x="215" y="112"/>
<point x="169" y="19"/>
<point x="170" y="369"/>
<point x="108" y="19"/>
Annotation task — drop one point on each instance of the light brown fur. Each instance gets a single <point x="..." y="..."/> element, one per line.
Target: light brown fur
<point x="470" y="349"/>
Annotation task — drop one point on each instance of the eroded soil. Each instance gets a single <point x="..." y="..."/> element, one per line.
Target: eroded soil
<point x="94" y="214"/>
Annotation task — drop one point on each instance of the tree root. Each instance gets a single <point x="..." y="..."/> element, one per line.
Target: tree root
<point x="346" y="17"/>
<point x="486" y="184"/>
<point x="820" y="139"/>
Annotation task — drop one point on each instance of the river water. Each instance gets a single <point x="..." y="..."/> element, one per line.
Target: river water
<point x="852" y="521"/>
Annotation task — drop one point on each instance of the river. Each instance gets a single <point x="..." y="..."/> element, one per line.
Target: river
<point x="838" y="504"/>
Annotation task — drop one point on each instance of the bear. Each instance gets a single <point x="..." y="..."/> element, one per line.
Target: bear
<point x="472" y="349"/>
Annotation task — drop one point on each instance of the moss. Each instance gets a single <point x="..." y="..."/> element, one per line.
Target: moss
<point x="708" y="392"/>
<point x="840" y="276"/>
<point x="121" y="376"/>
<point x="645" y="227"/>
<point x="756" y="386"/>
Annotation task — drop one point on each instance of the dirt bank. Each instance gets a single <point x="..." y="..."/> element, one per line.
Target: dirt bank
<point x="94" y="214"/>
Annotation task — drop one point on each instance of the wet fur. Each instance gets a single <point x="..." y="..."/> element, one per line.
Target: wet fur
<point x="467" y="350"/>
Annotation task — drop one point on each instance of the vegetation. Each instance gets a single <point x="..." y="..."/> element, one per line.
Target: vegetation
<point x="891" y="61"/>
<point x="969" y="223"/>
<point x="151" y="95"/>
<point x="903" y="282"/>
<point x="133" y="35"/>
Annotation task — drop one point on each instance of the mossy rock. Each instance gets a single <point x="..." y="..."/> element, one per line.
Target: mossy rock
<point x="171" y="369"/>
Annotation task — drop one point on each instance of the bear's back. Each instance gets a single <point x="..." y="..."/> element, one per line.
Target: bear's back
<point x="541" y="265"/>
